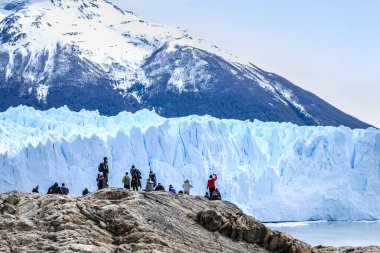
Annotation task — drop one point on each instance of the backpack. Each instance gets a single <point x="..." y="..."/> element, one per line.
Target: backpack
<point x="123" y="179"/>
<point x="127" y="180"/>
<point x="136" y="174"/>
<point x="100" y="167"/>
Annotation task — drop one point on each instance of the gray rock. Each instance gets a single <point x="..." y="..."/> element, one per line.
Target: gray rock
<point x="114" y="220"/>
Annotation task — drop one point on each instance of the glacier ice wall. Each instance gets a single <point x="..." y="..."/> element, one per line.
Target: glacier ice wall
<point x="276" y="172"/>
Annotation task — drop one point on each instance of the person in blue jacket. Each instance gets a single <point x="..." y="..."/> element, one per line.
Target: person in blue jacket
<point x="171" y="189"/>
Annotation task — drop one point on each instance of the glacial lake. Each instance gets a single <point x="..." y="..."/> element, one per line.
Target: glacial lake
<point x="335" y="233"/>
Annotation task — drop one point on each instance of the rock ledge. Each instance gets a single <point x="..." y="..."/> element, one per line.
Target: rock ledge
<point x="114" y="220"/>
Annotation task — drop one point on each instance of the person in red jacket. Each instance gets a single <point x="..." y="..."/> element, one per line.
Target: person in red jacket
<point x="211" y="183"/>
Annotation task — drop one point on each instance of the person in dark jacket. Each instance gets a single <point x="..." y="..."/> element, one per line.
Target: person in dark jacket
<point x="211" y="184"/>
<point x="171" y="189"/>
<point x="55" y="189"/>
<point x="152" y="177"/>
<point x="36" y="189"/>
<point x="64" y="189"/>
<point x="105" y="170"/>
<point x="216" y="195"/>
<point x="159" y="187"/>
<point x="85" y="192"/>
<point x="100" y="181"/>
<point x="136" y="177"/>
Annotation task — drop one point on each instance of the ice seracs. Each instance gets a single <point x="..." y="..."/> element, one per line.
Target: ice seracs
<point x="277" y="172"/>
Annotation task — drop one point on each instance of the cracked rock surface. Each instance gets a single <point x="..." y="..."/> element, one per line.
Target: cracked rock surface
<point x="115" y="220"/>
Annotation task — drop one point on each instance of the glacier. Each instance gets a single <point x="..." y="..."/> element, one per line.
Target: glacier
<point x="274" y="171"/>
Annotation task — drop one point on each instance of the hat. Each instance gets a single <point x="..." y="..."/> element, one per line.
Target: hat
<point x="105" y="158"/>
<point x="187" y="181"/>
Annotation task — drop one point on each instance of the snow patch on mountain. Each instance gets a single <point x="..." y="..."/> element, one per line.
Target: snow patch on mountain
<point x="289" y="96"/>
<point x="85" y="24"/>
<point x="42" y="92"/>
<point x="275" y="171"/>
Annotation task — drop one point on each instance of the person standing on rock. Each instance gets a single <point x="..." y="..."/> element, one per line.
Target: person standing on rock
<point x="126" y="180"/>
<point x="211" y="183"/>
<point x="149" y="185"/>
<point x="85" y="192"/>
<point x="186" y="187"/>
<point x="36" y="189"/>
<point x="136" y="177"/>
<point x="103" y="168"/>
<point x="100" y="181"/>
<point x="64" y="189"/>
<point x="152" y="176"/>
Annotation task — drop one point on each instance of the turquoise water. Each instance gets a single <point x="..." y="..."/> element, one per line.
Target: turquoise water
<point x="336" y="233"/>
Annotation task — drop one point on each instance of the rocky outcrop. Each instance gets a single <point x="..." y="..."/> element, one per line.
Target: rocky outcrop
<point x="245" y="228"/>
<point x="114" y="220"/>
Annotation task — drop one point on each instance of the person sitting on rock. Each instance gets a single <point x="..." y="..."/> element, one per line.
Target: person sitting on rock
<point x="211" y="183"/>
<point x="149" y="185"/>
<point x="207" y="195"/>
<point x="152" y="176"/>
<point x="186" y="187"/>
<point x="100" y="181"/>
<point x="85" y="192"/>
<point x="160" y="187"/>
<point x="36" y="189"/>
<point x="172" y="190"/>
<point x="216" y="195"/>
<point x="64" y="189"/>
<point x="126" y="180"/>
<point x="55" y="189"/>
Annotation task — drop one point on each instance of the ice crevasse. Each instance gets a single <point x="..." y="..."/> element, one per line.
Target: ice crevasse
<point x="274" y="171"/>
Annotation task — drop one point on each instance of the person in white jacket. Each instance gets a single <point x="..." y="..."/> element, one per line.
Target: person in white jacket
<point x="149" y="185"/>
<point x="186" y="187"/>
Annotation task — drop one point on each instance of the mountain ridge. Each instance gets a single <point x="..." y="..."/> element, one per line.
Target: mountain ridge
<point x="91" y="54"/>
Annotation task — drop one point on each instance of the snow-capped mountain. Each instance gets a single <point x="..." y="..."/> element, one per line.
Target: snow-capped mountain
<point x="91" y="54"/>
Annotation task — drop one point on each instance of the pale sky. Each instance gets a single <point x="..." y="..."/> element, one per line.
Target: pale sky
<point x="328" y="47"/>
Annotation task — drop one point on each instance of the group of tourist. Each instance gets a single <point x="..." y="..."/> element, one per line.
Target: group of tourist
<point x="54" y="189"/>
<point x="132" y="181"/>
